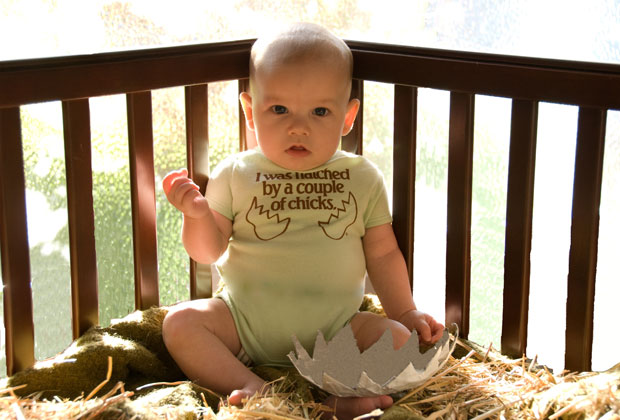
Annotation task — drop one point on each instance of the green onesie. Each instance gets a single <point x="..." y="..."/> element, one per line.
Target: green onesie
<point x="295" y="262"/>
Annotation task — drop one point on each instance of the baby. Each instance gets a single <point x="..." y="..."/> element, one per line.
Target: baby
<point x="294" y="225"/>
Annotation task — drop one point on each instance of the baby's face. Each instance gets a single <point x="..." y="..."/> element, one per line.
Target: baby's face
<point x="300" y="113"/>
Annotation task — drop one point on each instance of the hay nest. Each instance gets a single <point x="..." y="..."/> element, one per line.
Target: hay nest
<point x="125" y="372"/>
<point x="483" y="384"/>
<point x="478" y="385"/>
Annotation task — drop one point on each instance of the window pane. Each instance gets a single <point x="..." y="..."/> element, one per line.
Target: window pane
<point x="223" y="121"/>
<point x="48" y="236"/>
<point x="605" y="351"/>
<point x="112" y="202"/>
<point x="553" y="193"/>
<point x="429" y="266"/>
<point x="489" y="184"/>
<point x="169" y="154"/>
<point x="378" y="128"/>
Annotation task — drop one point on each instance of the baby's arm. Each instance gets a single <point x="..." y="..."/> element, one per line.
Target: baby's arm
<point x="388" y="273"/>
<point x="205" y="231"/>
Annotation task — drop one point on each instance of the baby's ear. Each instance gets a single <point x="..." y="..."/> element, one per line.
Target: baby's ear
<point x="246" y="104"/>
<point x="349" y="118"/>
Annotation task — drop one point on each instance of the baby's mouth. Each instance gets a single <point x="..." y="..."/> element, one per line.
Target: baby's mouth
<point x="297" y="151"/>
<point x="297" y="148"/>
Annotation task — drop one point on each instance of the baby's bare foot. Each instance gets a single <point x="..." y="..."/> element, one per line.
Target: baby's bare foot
<point x="349" y="408"/>
<point x="238" y="396"/>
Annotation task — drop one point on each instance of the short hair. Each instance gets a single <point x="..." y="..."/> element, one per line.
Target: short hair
<point x="298" y="42"/>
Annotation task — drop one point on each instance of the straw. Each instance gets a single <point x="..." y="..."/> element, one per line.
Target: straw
<point x="481" y="385"/>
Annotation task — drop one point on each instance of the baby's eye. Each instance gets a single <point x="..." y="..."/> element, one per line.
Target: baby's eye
<point x="279" y="109"/>
<point x="320" y="111"/>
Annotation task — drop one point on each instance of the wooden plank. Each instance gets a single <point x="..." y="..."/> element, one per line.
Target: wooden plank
<point x="405" y="130"/>
<point x="14" y="249"/>
<point x="562" y="81"/>
<point x="78" y="163"/>
<point x="519" y="210"/>
<point x="584" y="238"/>
<point x="142" y="174"/>
<point x="74" y="77"/>
<point x="353" y="142"/>
<point x="460" y="169"/>
<point x="591" y="84"/>
<point x="197" y="131"/>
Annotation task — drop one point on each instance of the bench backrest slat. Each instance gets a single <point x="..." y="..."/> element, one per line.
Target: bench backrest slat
<point x="353" y="142"/>
<point x="460" y="174"/>
<point x="78" y="163"/>
<point x="142" y="176"/>
<point x="18" y="315"/>
<point x="197" y="137"/>
<point x="584" y="237"/>
<point x="405" y="141"/>
<point x="519" y="211"/>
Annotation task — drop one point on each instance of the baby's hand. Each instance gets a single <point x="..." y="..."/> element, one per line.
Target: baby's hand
<point x="429" y="330"/>
<point x="184" y="194"/>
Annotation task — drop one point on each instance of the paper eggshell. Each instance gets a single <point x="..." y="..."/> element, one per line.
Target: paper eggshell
<point x="338" y="367"/>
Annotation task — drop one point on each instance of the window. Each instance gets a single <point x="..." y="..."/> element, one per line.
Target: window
<point x="578" y="31"/>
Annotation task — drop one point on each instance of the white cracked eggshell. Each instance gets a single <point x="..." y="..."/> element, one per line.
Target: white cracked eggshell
<point x="339" y="368"/>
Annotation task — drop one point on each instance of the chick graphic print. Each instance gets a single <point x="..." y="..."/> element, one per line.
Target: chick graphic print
<point x="318" y="192"/>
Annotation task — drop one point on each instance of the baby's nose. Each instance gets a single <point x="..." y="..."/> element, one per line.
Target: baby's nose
<point x="298" y="127"/>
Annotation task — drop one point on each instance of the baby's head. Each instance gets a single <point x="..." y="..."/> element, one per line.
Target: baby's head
<point x="301" y="43"/>
<point x="300" y="83"/>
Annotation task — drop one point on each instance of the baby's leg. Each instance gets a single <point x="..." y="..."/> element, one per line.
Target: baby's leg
<point x="202" y="338"/>
<point x="368" y="328"/>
